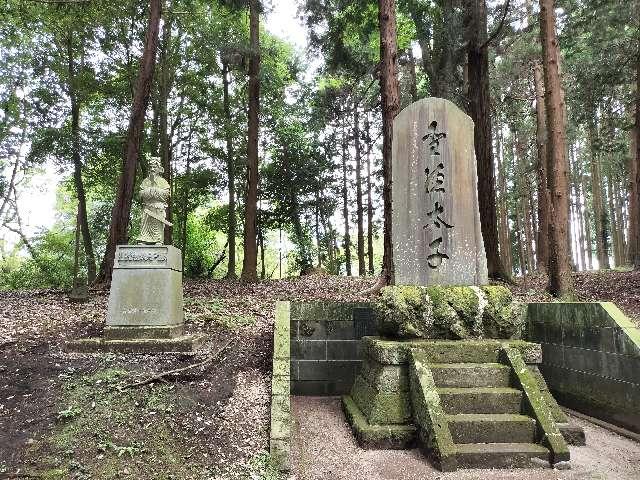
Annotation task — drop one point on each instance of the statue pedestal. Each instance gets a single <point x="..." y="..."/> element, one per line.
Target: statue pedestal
<point x="145" y="312"/>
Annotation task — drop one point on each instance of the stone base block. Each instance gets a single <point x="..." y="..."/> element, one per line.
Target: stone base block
<point x="386" y="437"/>
<point x="143" y="332"/>
<point x="183" y="344"/>
<point x="380" y="408"/>
<point x="573" y="434"/>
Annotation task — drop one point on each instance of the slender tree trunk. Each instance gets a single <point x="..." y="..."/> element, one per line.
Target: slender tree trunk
<point x="165" y="84"/>
<point x="634" y="180"/>
<point x="120" y="214"/>
<point x="579" y="220"/>
<point x="362" y="269"/>
<point x="369" y="201"/>
<point x="77" y="165"/>
<point x="600" y="216"/>
<point x="587" y="226"/>
<point x="250" y="259"/>
<point x="519" y="235"/>
<point x="542" y="247"/>
<point x="412" y="76"/>
<point x="622" y="222"/>
<point x="503" y="225"/>
<point x="185" y="200"/>
<point x="560" y="280"/>
<point x="480" y="112"/>
<point x="390" y="99"/>
<point x="345" y="206"/>
<point x="231" y="173"/>
<point x="615" y="239"/>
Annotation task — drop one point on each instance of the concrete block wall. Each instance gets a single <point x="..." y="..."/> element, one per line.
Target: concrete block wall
<point x="590" y="358"/>
<point x="326" y="350"/>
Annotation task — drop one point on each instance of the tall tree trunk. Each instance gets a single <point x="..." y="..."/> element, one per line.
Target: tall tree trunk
<point x="622" y="222"/>
<point x="77" y="165"/>
<point x="249" y="263"/>
<point x="369" y="200"/>
<point x="587" y="226"/>
<point x="600" y="216"/>
<point x="345" y="206"/>
<point x="122" y="207"/>
<point x="231" y="173"/>
<point x="362" y="269"/>
<point x="560" y="280"/>
<point x="480" y="112"/>
<point x="503" y="226"/>
<point x="165" y="85"/>
<point x="634" y="181"/>
<point x="390" y="99"/>
<point x="413" y="87"/>
<point x="579" y="219"/>
<point x="542" y="242"/>
<point x="185" y="200"/>
<point x="519" y="235"/>
<point x="615" y="239"/>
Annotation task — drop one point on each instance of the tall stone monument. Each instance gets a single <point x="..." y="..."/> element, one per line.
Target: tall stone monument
<point x="436" y="222"/>
<point x="145" y="311"/>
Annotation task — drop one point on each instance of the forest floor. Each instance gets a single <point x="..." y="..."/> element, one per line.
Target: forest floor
<point x="67" y="416"/>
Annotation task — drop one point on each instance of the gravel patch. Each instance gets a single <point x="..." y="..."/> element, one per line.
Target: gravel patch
<point x="324" y="448"/>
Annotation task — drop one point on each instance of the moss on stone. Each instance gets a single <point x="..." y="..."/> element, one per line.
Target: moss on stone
<point x="404" y="312"/>
<point x="377" y="436"/>
<point x="502" y="317"/>
<point x="381" y="408"/>
<point x="448" y="312"/>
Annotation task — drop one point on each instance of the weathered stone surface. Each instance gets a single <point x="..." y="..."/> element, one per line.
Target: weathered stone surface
<point x="422" y="228"/>
<point x="536" y="406"/>
<point x="448" y="312"/>
<point x="187" y="343"/>
<point x="471" y="375"/>
<point x="396" y="352"/>
<point x="481" y="400"/>
<point x="434" y="434"/>
<point x="492" y="428"/>
<point x="280" y="428"/>
<point x="501" y="455"/>
<point x="388" y="437"/>
<point x="146" y="288"/>
<point x="381" y="408"/>
<point x="124" y="333"/>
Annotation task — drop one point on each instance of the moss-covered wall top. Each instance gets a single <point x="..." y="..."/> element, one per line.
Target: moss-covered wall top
<point x="448" y="312"/>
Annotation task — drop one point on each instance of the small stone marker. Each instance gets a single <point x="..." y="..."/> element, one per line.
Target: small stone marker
<point x="436" y="222"/>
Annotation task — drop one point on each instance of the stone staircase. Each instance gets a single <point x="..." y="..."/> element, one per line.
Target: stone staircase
<point x="465" y="404"/>
<point x="485" y="416"/>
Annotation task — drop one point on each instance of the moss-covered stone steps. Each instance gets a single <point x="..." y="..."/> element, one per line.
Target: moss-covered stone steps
<point x="471" y="374"/>
<point x="491" y="428"/>
<point x="501" y="455"/>
<point x="480" y="400"/>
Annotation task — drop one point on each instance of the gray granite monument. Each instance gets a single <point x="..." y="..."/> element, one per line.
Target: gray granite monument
<point x="436" y="222"/>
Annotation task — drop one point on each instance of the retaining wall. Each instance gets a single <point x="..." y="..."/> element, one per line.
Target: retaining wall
<point x="326" y="352"/>
<point x="590" y="358"/>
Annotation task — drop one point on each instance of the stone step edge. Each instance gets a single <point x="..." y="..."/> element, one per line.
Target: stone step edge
<point x="500" y="448"/>
<point x="489" y="417"/>
<point x="477" y="390"/>
<point x="470" y="366"/>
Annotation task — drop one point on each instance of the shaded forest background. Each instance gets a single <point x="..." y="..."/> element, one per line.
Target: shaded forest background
<point x="265" y="146"/>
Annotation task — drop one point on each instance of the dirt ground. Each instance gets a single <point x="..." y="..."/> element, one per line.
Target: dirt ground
<point x="66" y="416"/>
<point x="325" y="449"/>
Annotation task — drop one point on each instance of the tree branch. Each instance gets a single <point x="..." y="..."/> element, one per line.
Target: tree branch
<point x="498" y="29"/>
<point x="161" y="376"/>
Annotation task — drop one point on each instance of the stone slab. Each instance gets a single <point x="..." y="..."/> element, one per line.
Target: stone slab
<point x="145" y="297"/>
<point x="130" y="333"/>
<point x="187" y="343"/>
<point x="435" y="197"/>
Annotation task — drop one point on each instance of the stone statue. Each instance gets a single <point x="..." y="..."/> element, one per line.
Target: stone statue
<point x="154" y="192"/>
